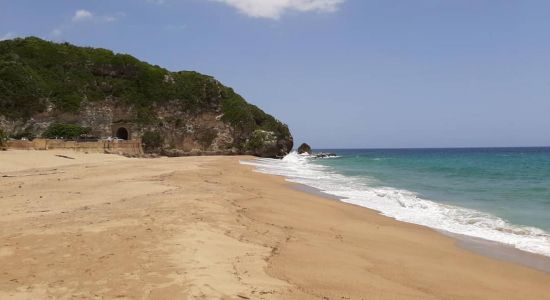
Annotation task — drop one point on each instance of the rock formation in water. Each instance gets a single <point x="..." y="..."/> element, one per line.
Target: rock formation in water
<point x="304" y="148"/>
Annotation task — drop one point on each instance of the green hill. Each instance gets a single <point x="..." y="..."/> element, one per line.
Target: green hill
<point x="60" y="83"/>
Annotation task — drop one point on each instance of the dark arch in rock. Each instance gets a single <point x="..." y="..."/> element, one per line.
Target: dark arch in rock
<point x="122" y="133"/>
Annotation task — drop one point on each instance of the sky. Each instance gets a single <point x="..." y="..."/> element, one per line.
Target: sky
<point x="340" y="73"/>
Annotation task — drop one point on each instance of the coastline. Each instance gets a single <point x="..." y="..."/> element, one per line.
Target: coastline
<point x="209" y="227"/>
<point x="492" y="249"/>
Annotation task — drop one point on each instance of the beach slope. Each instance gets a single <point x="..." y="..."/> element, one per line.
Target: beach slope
<point x="106" y="226"/>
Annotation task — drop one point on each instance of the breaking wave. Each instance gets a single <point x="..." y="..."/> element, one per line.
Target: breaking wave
<point x="404" y="205"/>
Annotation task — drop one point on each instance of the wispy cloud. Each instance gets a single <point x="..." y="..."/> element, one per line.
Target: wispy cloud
<point x="113" y="17"/>
<point x="82" y="15"/>
<point x="156" y="1"/>
<point x="274" y="9"/>
<point x="7" y="36"/>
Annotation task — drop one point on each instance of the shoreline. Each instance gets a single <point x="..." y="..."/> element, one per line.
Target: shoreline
<point x="485" y="247"/>
<point x="107" y="226"/>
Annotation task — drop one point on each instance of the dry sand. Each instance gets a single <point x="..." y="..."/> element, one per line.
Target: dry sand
<point x="104" y="226"/>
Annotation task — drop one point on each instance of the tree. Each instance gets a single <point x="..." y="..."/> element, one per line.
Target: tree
<point x="68" y="131"/>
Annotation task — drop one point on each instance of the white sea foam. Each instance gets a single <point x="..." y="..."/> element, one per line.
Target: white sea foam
<point x="405" y="205"/>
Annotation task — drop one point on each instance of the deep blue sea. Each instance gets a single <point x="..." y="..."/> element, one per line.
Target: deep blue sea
<point x="499" y="194"/>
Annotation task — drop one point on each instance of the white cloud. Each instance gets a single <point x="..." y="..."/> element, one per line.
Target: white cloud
<point x="7" y="36"/>
<point x="159" y="2"/>
<point x="273" y="9"/>
<point x="82" y="15"/>
<point x="113" y="18"/>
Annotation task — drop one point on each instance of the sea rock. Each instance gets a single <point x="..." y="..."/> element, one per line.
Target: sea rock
<point x="324" y="155"/>
<point x="304" y="148"/>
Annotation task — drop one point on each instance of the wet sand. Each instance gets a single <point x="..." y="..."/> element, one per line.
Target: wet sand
<point x="488" y="248"/>
<point x="500" y="251"/>
<point x="105" y="226"/>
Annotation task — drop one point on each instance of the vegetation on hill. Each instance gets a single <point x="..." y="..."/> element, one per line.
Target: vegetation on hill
<point x="38" y="76"/>
<point x="152" y="141"/>
<point x="3" y="138"/>
<point x="68" y="131"/>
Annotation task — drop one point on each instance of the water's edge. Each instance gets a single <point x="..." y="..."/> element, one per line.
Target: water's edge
<point x="487" y="248"/>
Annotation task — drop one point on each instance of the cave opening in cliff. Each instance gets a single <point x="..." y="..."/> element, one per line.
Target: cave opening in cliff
<point x="122" y="133"/>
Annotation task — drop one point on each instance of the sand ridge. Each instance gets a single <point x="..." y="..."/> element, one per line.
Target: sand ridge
<point x="105" y="226"/>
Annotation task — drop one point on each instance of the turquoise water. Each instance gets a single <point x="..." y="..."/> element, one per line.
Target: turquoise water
<point x="511" y="183"/>
<point x="498" y="194"/>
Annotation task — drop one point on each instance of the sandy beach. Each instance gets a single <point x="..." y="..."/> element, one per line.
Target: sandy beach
<point x="98" y="226"/>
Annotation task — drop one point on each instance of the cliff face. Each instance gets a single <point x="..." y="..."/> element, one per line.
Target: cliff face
<point x="42" y="83"/>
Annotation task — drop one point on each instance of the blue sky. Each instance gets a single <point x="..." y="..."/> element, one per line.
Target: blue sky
<point x="341" y="73"/>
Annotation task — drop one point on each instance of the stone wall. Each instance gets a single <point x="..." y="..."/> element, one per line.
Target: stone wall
<point x="132" y="147"/>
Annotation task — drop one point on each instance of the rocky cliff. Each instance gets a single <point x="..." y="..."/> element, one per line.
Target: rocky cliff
<point x="43" y="83"/>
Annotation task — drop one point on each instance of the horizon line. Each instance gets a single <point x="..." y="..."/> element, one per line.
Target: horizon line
<point x="420" y="148"/>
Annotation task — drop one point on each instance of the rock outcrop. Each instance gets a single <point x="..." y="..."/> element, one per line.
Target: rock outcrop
<point x="45" y="83"/>
<point x="304" y="148"/>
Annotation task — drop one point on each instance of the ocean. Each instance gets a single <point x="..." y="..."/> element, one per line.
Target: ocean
<point x="498" y="194"/>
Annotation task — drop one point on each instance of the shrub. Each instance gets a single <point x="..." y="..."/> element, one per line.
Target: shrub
<point x="68" y="131"/>
<point x="3" y="138"/>
<point x="260" y="139"/>
<point x="26" y="133"/>
<point x="152" y="141"/>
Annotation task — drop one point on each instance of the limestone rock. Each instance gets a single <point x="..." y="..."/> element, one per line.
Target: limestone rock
<point x="191" y="112"/>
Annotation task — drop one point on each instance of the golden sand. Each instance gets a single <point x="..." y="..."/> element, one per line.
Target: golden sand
<point x="105" y="226"/>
